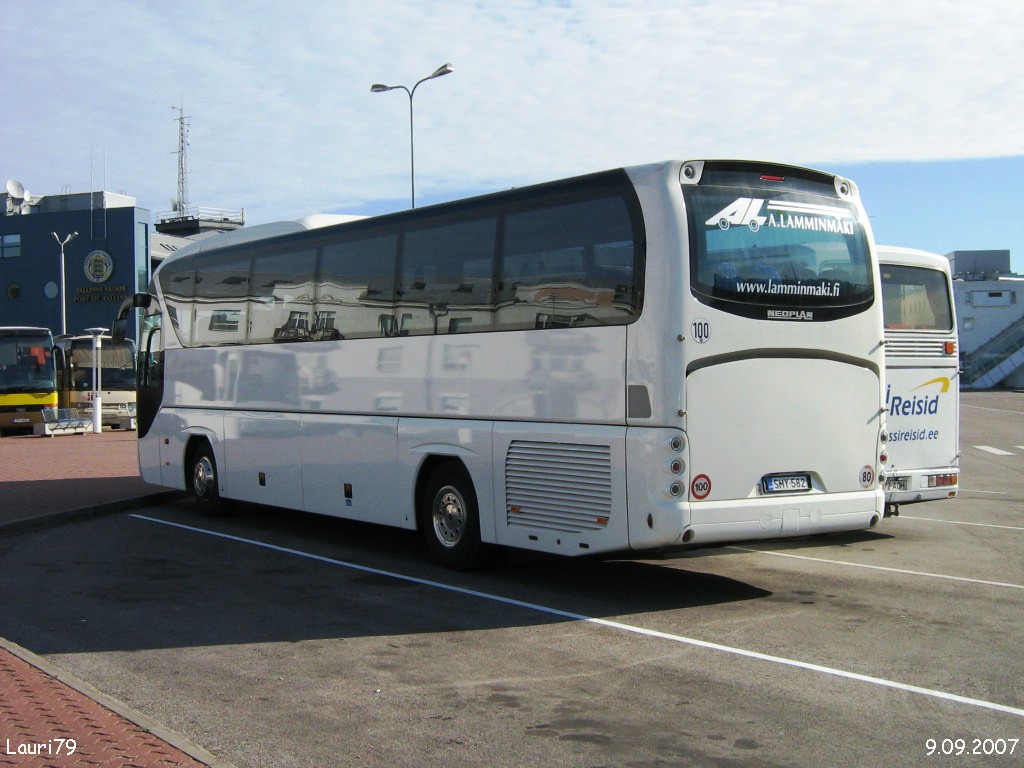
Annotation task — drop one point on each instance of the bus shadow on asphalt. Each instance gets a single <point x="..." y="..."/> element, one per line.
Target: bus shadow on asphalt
<point x="838" y="541"/>
<point x="125" y="583"/>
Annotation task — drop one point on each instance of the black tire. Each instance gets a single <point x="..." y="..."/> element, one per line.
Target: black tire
<point x="451" y="519"/>
<point x="204" y="482"/>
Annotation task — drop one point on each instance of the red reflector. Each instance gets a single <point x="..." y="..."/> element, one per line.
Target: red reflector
<point x="773" y="178"/>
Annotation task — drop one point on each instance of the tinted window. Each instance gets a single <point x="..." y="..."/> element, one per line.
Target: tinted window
<point x="754" y="251"/>
<point x="569" y="264"/>
<point x="282" y="295"/>
<point x="445" y="285"/>
<point x="178" y="284"/>
<point x="222" y="300"/>
<point x="355" y="289"/>
<point x="915" y="298"/>
<point x="566" y="255"/>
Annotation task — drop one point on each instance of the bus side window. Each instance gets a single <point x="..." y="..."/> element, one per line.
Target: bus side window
<point x="355" y="288"/>
<point x="569" y="264"/>
<point x="448" y="266"/>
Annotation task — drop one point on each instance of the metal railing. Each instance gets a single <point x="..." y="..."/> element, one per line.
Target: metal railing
<point x="995" y="359"/>
<point x="199" y="213"/>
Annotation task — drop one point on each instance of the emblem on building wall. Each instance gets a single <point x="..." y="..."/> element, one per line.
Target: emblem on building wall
<point x="99" y="266"/>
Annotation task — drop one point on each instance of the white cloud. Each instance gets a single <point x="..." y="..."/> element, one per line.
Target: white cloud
<point x="283" y="122"/>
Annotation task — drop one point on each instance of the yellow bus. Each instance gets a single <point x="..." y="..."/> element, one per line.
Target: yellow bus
<point x="27" y="377"/>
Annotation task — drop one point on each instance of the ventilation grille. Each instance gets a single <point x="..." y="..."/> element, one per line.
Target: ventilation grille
<point x="914" y="348"/>
<point x="558" y="486"/>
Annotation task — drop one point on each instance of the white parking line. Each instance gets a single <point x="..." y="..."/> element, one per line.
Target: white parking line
<point x="879" y="681"/>
<point x="997" y="410"/>
<point x="962" y="522"/>
<point x="879" y="568"/>
<point x="996" y="451"/>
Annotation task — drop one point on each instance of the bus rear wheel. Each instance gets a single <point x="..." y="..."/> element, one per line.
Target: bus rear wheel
<point x="205" y="481"/>
<point x="451" y="519"/>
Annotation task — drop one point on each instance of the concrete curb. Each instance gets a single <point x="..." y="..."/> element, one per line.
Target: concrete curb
<point x="144" y="722"/>
<point x="85" y="513"/>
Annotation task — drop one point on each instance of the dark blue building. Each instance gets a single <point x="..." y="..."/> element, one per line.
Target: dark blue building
<point x="107" y="260"/>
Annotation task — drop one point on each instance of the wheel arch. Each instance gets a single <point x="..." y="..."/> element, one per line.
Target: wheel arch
<point x="427" y="467"/>
<point x="194" y="442"/>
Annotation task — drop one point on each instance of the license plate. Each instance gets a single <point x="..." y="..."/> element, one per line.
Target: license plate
<point x="896" y="484"/>
<point x="20" y="421"/>
<point x="785" y="483"/>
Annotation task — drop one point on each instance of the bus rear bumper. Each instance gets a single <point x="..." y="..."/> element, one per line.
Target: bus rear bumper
<point x="739" y="520"/>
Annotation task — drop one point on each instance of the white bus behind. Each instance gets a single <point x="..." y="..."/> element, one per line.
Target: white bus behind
<point x="922" y="377"/>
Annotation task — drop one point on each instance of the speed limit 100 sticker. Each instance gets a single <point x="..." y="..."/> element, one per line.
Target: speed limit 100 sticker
<point x="867" y="476"/>
<point x="700" y="487"/>
<point x="700" y="330"/>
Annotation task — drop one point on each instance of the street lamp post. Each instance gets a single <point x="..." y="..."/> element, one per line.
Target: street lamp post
<point x="97" y="382"/>
<point x="447" y="69"/>
<point x="63" y="286"/>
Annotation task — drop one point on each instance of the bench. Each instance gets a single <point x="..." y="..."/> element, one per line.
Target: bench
<point x="61" y="421"/>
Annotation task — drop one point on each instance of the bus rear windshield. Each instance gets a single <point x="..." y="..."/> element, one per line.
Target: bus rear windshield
<point x="915" y="298"/>
<point x="774" y="254"/>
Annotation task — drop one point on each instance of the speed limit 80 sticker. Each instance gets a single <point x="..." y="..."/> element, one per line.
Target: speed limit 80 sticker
<point x="700" y="487"/>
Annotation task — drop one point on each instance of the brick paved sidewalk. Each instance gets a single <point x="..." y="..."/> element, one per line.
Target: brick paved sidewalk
<point x="45" y="480"/>
<point x="44" y="475"/>
<point x="45" y="723"/>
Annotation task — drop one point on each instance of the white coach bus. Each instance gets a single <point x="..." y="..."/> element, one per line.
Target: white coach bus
<point x="680" y="353"/>
<point x="922" y="377"/>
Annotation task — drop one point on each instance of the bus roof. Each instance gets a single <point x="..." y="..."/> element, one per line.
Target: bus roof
<point x="895" y="254"/>
<point x="262" y="232"/>
<point x="16" y="329"/>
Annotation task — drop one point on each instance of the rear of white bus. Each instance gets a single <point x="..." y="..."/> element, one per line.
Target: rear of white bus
<point x="782" y="392"/>
<point x="922" y="379"/>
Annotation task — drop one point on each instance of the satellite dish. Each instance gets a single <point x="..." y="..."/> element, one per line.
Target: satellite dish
<point x="15" y="189"/>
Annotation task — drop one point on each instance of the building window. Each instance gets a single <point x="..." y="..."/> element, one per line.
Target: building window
<point x="10" y="246"/>
<point x="991" y="298"/>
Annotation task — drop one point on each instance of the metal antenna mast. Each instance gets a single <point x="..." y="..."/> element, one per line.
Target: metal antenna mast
<point x="181" y="204"/>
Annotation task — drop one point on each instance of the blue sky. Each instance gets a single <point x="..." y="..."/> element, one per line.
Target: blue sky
<point x="921" y="102"/>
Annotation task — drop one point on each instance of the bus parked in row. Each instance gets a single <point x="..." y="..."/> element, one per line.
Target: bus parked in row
<point x="922" y="375"/>
<point x="74" y="359"/>
<point x="27" y="381"/>
<point x="674" y="354"/>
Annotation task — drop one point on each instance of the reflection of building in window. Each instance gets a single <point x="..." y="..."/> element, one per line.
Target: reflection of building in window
<point x="389" y="360"/>
<point x="454" y="404"/>
<point x="325" y="320"/>
<point x="457" y="357"/>
<point x="224" y="320"/>
<point x="390" y="402"/>
<point x="298" y="320"/>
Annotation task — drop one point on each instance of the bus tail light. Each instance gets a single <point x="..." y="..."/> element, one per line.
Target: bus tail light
<point x="949" y="347"/>
<point x="942" y="481"/>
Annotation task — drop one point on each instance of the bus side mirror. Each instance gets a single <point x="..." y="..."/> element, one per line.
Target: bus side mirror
<point x="135" y="301"/>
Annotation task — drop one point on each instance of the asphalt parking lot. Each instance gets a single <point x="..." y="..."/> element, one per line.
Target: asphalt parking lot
<point x="275" y="639"/>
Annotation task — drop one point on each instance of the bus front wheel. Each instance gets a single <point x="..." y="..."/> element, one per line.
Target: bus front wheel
<point x="451" y="518"/>
<point x="205" y="481"/>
